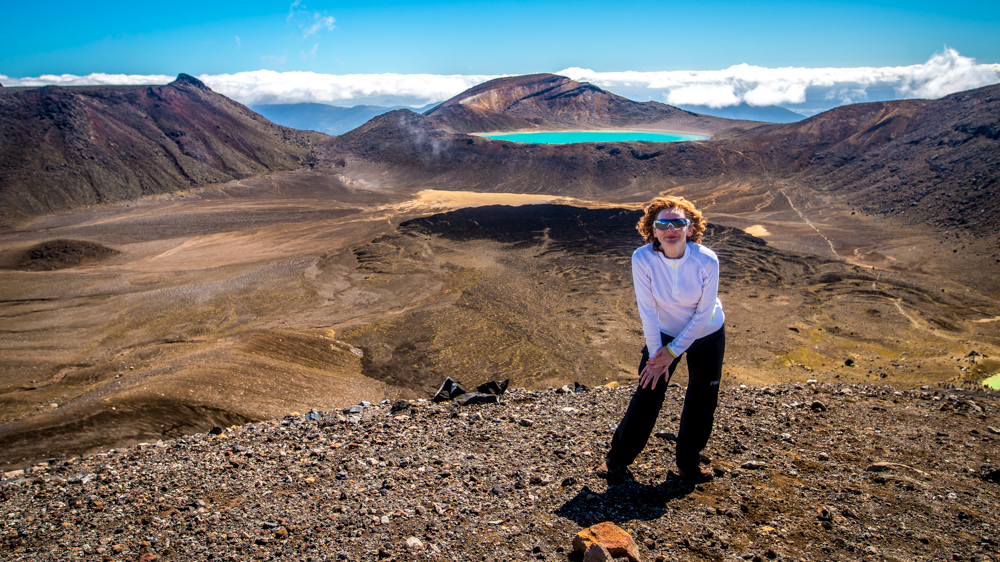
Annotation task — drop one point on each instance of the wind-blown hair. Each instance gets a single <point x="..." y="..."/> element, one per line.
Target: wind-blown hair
<point x="645" y="226"/>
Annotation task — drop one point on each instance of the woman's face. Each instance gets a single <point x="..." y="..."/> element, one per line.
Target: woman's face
<point x="671" y="236"/>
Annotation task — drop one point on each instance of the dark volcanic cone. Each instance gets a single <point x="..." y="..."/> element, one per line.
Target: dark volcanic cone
<point x="60" y="254"/>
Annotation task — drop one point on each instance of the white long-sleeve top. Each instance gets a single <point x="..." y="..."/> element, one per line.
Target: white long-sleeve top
<point x="679" y="297"/>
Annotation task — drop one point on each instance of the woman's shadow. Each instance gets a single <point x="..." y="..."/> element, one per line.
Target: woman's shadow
<point x="624" y="501"/>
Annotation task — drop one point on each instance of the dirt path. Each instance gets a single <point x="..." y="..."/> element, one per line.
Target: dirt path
<point x="812" y="226"/>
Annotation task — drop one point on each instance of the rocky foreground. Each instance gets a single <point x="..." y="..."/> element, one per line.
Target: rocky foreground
<point x="803" y="472"/>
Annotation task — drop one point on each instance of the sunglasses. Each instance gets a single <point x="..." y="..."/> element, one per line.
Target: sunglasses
<point x="666" y="224"/>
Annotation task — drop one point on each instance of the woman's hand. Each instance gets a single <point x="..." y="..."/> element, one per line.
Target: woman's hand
<point x="663" y="357"/>
<point x="655" y="367"/>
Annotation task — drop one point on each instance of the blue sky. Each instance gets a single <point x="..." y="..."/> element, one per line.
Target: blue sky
<point x="394" y="51"/>
<point x="475" y="37"/>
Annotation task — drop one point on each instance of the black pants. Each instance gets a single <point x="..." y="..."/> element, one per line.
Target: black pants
<point x="704" y="359"/>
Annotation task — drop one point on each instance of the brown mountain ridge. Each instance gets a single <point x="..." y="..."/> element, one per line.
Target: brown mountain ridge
<point x="551" y="102"/>
<point x="66" y="147"/>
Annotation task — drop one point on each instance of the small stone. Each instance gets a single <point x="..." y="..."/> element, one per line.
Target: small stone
<point x="471" y="398"/>
<point x="81" y="478"/>
<point x="818" y="406"/>
<point x="524" y="422"/>
<point x="849" y="362"/>
<point x="989" y="474"/>
<point x="754" y="465"/>
<point x="413" y="543"/>
<point x="824" y="456"/>
<point x="493" y="387"/>
<point x="666" y="435"/>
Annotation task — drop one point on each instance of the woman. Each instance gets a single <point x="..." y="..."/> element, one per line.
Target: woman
<point x="676" y="286"/>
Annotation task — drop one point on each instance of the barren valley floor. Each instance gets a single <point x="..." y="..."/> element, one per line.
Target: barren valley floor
<point x="304" y="290"/>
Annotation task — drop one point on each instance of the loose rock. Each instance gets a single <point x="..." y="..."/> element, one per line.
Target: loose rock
<point x="611" y="537"/>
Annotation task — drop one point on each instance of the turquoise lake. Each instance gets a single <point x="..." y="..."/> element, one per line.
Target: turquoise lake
<point x="565" y="137"/>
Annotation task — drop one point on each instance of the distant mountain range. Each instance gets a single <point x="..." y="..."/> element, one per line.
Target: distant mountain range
<point x="767" y="113"/>
<point x="328" y="119"/>
<point x="65" y="147"/>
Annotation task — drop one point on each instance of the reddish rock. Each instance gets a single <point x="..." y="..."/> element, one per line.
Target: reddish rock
<point x="611" y="537"/>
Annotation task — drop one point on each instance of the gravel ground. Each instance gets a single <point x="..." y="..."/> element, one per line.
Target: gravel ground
<point x="803" y="472"/>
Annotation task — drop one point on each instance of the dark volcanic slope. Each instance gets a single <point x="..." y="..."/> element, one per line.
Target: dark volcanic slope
<point x="933" y="162"/>
<point x="68" y="147"/>
<point x="923" y="161"/>
<point x="547" y="101"/>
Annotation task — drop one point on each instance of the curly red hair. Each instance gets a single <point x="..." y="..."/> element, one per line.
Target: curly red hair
<point x="645" y="226"/>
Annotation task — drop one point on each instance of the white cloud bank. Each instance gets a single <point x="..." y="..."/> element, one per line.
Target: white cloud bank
<point x="807" y="90"/>
<point x="95" y="79"/>
<point x="268" y="87"/>
<point x="945" y="73"/>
